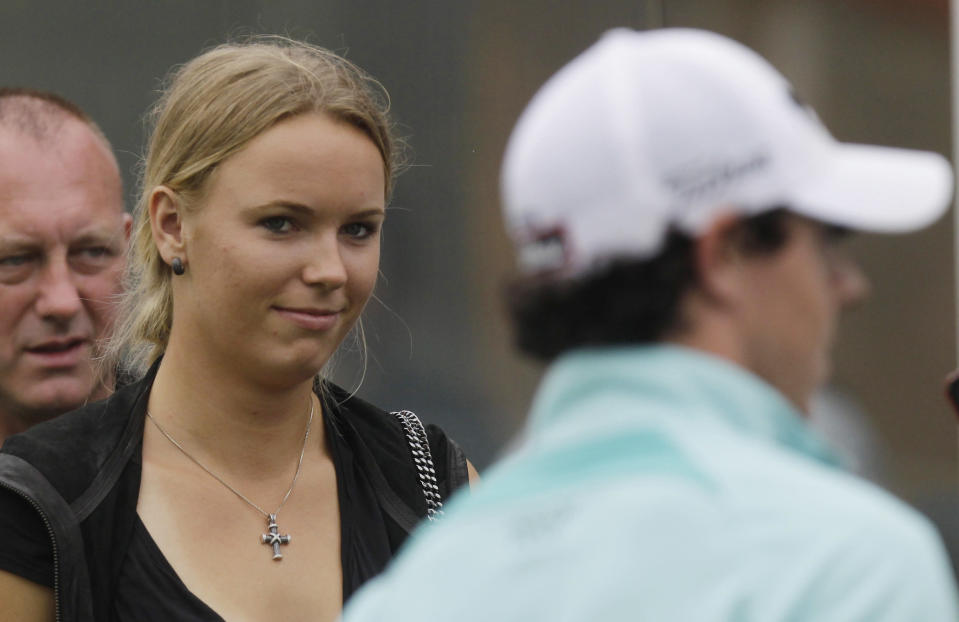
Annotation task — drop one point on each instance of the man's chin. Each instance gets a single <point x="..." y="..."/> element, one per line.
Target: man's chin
<point x="56" y="396"/>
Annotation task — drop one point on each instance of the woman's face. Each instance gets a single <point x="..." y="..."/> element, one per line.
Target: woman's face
<point x="283" y="249"/>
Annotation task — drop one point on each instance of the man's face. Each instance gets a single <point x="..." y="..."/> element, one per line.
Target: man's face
<point x="63" y="235"/>
<point x="792" y="307"/>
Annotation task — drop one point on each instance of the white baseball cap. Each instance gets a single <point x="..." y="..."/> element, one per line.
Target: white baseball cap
<point x="648" y="131"/>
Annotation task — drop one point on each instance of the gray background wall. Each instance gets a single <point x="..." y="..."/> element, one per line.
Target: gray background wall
<point x="459" y="73"/>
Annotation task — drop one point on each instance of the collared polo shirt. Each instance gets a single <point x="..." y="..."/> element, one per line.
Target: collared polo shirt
<point x="661" y="483"/>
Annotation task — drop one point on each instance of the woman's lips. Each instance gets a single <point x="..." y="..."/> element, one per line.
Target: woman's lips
<point x="311" y="319"/>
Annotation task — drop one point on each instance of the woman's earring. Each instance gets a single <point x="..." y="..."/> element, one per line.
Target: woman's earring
<point x="178" y="267"/>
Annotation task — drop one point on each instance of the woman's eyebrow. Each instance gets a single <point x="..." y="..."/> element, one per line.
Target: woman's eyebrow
<point x="307" y="210"/>
<point x="290" y="205"/>
<point x="373" y="211"/>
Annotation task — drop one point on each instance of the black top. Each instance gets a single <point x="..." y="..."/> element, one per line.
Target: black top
<point x="378" y="497"/>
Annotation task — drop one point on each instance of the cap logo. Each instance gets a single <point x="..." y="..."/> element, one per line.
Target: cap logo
<point x="544" y="251"/>
<point x="704" y="179"/>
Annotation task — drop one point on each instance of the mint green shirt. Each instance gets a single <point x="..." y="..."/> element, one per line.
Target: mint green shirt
<point x="659" y="483"/>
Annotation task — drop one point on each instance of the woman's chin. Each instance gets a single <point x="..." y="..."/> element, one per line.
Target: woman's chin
<point x="287" y="373"/>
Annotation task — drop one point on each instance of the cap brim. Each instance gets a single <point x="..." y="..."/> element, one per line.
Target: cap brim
<point x="877" y="189"/>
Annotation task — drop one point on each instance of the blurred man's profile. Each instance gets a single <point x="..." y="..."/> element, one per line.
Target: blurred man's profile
<point x="679" y="216"/>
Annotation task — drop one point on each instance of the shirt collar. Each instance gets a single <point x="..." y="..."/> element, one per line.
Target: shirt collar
<point x="692" y="382"/>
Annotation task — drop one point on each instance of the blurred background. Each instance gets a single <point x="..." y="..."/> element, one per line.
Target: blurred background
<point x="459" y="72"/>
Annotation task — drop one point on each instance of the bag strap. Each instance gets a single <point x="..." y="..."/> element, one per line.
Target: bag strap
<point x="423" y="460"/>
<point x="74" y="600"/>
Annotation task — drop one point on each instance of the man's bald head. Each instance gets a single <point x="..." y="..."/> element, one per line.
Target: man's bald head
<point x="40" y="114"/>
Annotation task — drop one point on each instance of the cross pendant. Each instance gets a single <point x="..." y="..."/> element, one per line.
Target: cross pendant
<point x="274" y="538"/>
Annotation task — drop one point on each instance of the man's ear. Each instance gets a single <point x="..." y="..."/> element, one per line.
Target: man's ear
<point x="718" y="259"/>
<point x="166" y="223"/>
<point x="127" y="227"/>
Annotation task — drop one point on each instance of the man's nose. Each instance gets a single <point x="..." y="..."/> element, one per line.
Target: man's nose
<point x="59" y="297"/>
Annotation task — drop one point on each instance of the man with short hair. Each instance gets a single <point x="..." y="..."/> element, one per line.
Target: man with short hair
<point x="63" y="238"/>
<point x="678" y="214"/>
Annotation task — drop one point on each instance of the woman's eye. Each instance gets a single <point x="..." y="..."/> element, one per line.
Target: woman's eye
<point x="359" y="230"/>
<point x="277" y="224"/>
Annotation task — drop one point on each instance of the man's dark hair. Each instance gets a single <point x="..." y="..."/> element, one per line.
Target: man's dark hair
<point x="628" y="301"/>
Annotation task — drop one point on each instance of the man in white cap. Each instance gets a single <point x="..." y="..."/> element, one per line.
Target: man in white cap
<point x="677" y="213"/>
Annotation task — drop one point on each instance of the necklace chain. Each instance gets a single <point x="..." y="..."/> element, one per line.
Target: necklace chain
<point x="296" y="474"/>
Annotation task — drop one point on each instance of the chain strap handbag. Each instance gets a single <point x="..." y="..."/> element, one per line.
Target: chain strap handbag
<point x="423" y="460"/>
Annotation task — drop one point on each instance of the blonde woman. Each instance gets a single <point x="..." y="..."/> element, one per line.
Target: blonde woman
<point x="230" y="483"/>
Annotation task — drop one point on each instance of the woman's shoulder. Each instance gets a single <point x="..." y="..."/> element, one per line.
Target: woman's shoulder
<point x="386" y="437"/>
<point x="345" y="405"/>
<point x="383" y="430"/>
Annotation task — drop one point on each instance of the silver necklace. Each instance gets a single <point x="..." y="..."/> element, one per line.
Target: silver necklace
<point x="273" y="537"/>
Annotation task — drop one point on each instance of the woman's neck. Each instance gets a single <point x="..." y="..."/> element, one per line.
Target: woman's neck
<point x="230" y="422"/>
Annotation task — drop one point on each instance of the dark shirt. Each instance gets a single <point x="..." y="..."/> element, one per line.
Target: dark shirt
<point x="146" y="586"/>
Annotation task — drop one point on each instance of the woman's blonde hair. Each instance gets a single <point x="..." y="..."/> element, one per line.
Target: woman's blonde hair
<point x="210" y="109"/>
